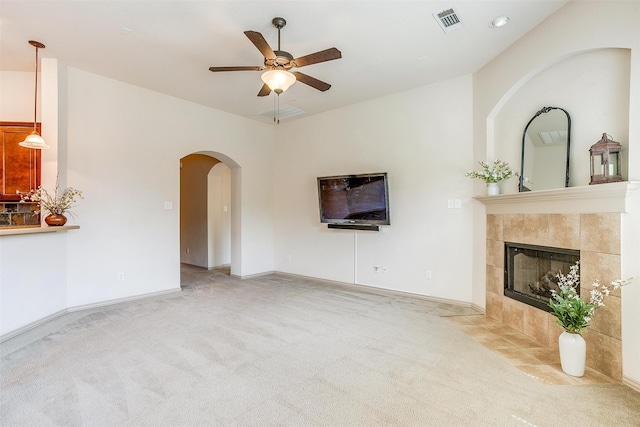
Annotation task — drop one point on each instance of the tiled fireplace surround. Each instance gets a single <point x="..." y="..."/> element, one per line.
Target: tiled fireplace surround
<point x="595" y="234"/>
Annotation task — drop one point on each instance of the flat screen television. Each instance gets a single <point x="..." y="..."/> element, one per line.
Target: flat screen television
<point x="354" y="199"/>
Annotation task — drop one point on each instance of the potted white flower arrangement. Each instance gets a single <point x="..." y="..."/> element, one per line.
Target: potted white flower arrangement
<point x="55" y="204"/>
<point x="574" y="314"/>
<point x="492" y="174"/>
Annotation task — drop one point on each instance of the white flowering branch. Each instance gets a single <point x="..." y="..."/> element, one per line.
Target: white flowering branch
<point x="572" y="312"/>
<point x="496" y="172"/>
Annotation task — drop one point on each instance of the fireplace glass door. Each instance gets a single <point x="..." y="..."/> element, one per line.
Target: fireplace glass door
<point x="530" y="274"/>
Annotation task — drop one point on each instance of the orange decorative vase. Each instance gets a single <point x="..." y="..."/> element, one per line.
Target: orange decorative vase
<point x="55" y="220"/>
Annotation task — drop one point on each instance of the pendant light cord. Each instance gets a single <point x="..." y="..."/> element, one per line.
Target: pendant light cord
<point x="35" y="101"/>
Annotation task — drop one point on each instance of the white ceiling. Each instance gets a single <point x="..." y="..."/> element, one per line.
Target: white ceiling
<point x="387" y="46"/>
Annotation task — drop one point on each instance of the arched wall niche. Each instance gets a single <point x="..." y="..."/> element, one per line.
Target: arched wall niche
<point x="592" y="85"/>
<point x="193" y="197"/>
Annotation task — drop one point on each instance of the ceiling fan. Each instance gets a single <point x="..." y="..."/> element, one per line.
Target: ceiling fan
<point x="277" y="64"/>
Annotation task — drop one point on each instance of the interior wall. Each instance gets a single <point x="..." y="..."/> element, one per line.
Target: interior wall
<point x="28" y="294"/>
<point x="219" y="216"/>
<point x="422" y="139"/>
<point x="16" y="96"/>
<point x="194" y="223"/>
<point x="147" y="148"/>
<point x="121" y="147"/>
<point x="630" y="262"/>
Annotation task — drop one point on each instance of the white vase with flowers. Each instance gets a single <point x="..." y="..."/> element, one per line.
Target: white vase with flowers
<point x="574" y="314"/>
<point x="492" y="174"/>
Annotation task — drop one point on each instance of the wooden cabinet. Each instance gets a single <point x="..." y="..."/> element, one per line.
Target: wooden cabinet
<point x="20" y="167"/>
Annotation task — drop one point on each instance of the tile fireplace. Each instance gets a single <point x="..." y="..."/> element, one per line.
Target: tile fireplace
<point x="599" y="258"/>
<point x="574" y="219"/>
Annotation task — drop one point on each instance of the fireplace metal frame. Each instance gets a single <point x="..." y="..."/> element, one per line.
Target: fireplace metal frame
<point x="541" y="304"/>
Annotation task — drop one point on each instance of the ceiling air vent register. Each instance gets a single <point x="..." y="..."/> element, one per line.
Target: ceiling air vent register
<point x="285" y="112"/>
<point x="448" y="19"/>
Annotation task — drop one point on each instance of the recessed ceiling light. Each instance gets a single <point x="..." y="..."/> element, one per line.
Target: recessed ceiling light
<point x="499" y="21"/>
<point x="422" y="58"/>
<point x="125" y="31"/>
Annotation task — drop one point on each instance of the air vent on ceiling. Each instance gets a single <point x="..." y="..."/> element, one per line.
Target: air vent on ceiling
<point x="285" y="112"/>
<point x="449" y="20"/>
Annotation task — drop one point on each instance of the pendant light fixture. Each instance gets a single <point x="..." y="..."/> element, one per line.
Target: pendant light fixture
<point x="34" y="140"/>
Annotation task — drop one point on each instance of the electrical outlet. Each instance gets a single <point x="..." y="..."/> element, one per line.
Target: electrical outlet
<point x="289" y="258"/>
<point x="450" y="203"/>
<point x="121" y="277"/>
<point x="385" y="269"/>
<point x="186" y="250"/>
<point x="428" y="275"/>
<point x="376" y="269"/>
<point x="457" y="203"/>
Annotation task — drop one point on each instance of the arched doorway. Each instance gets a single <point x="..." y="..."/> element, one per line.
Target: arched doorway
<point x="209" y="211"/>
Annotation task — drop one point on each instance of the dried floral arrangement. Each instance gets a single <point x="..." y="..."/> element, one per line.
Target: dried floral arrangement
<point x="56" y="203"/>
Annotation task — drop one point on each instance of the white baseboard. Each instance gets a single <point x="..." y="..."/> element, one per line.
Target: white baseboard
<point x="631" y="383"/>
<point x="251" y="276"/>
<point x="120" y="300"/>
<point x="478" y="308"/>
<point x="389" y="291"/>
<point x="76" y="308"/>
<point x="32" y="325"/>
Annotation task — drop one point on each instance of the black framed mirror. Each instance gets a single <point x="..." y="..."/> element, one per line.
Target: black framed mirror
<point x="546" y="143"/>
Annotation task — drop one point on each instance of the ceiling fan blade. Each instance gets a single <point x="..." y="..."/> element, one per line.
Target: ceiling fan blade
<point x="314" y="58"/>
<point x="248" y="68"/>
<point x="311" y="81"/>
<point x="265" y="90"/>
<point x="258" y="40"/>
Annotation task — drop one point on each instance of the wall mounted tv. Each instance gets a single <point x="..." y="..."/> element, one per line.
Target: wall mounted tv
<point x="354" y="199"/>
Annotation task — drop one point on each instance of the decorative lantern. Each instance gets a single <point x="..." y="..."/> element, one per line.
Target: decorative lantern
<point x="605" y="161"/>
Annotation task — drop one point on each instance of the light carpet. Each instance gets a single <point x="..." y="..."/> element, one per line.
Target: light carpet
<point x="281" y="351"/>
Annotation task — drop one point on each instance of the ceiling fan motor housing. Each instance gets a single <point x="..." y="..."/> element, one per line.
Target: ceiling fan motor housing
<point x="283" y="60"/>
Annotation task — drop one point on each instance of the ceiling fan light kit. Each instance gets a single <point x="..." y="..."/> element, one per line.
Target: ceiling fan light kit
<point x="34" y="140"/>
<point x="277" y="63"/>
<point x="278" y="80"/>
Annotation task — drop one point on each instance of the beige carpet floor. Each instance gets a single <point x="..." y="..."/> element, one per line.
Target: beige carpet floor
<point x="281" y="351"/>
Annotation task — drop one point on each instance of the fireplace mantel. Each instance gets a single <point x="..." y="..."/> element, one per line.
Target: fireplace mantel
<point x="611" y="197"/>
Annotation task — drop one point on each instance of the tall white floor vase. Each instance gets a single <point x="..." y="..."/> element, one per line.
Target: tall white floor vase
<point x="573" y="353"/>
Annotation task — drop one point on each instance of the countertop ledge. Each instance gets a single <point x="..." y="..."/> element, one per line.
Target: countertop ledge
<point x="12" y="231"/>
